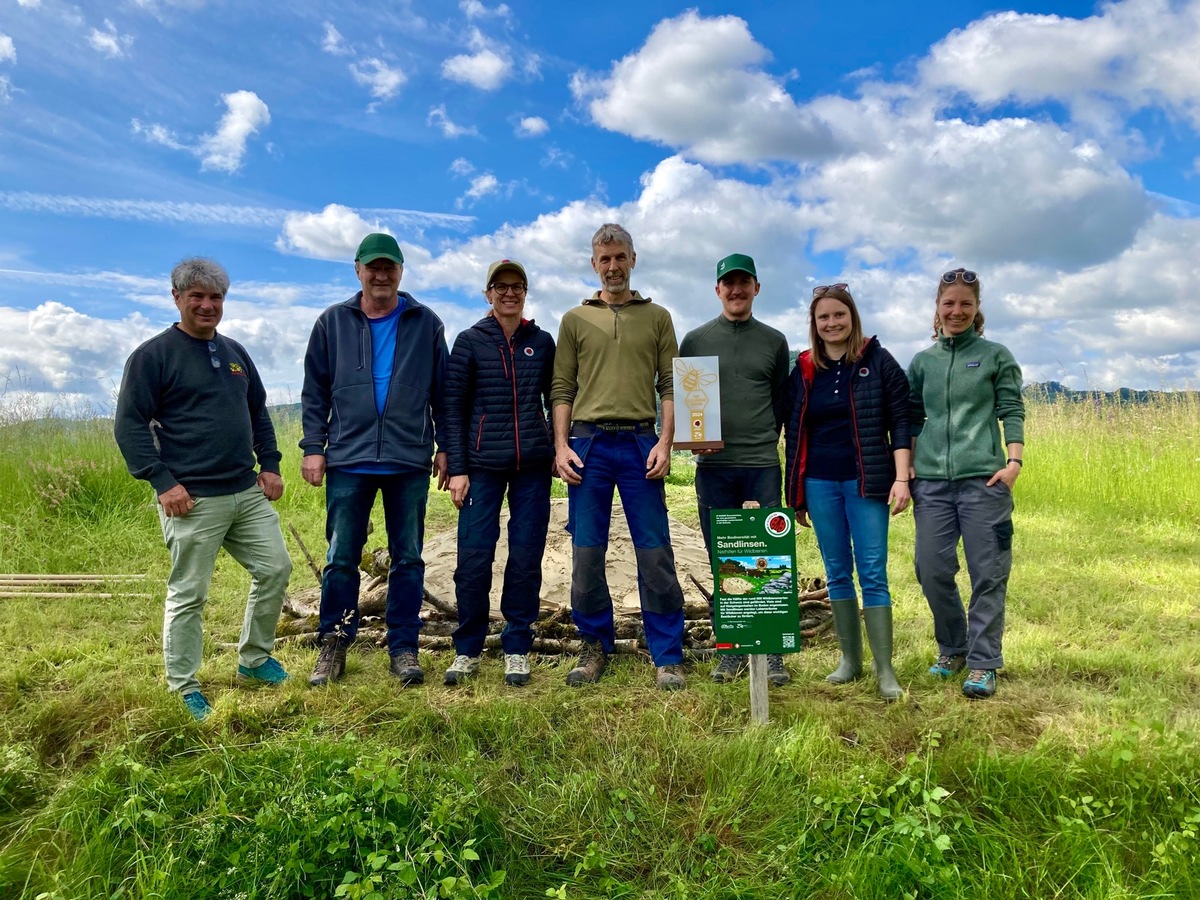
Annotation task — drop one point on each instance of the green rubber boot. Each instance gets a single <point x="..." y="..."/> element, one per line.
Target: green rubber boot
<point x="849" y="635"/>
<point x="878" y="620"/>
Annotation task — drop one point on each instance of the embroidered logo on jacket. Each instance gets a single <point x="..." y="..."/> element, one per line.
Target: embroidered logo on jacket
<point x="864" y="372"/>
<point x="973" y="365"/>
<point x="529" y="351"/>
<point x="236" y="369"/>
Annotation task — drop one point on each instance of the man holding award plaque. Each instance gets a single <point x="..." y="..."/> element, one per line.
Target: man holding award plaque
<point x="753" y="381"/>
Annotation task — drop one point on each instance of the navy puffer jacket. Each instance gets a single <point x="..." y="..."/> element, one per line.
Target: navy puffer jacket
<point x="497" y="398"/>
<point x="878" y="415"/>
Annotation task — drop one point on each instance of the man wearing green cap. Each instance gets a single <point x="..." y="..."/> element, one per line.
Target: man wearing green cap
<point x="754" y="382"/>
<point x="371" y="400"/>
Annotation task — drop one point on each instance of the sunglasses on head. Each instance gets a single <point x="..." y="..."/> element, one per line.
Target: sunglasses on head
<point x="822" y="290"/>
<point x="967" y="276"/>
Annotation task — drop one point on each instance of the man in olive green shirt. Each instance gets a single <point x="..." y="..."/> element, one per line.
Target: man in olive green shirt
<point x="753" y="360"/>
<point x="614" y="351"/>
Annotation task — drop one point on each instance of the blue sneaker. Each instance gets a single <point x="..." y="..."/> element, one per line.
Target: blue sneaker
<point x="270" y="672"/>
<point x="197" y="705"/>
<point x="947" y="665"/>
<point x="980" y="684"/>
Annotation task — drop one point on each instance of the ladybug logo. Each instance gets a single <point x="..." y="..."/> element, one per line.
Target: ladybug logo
<point x="529" y="351"/>
<point x="778" y="524"/>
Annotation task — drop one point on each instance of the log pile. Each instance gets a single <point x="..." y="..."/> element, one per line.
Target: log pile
<point x="555" y="633"/>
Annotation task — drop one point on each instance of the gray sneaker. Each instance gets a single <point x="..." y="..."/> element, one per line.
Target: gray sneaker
<point x="461" y="669"/>
<point x="516" y="669"/>
<point x="404" y="666"/>
<point x="777" y="674"/>
<point x="730" y="667"/>
<point x="669" y="677"/>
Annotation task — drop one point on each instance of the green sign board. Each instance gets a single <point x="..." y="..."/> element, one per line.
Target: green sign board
<point x="754" y="573"/>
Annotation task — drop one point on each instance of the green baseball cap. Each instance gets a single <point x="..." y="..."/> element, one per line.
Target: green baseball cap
<point x="379" y="246"/>
<point x="501" y="265"/>
<point x="736" y="262"/>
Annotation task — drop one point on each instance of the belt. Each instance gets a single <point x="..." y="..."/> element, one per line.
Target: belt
<point x="587" y="429"/>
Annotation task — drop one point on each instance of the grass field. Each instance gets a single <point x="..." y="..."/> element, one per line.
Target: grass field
<point x="1080" y="779"/>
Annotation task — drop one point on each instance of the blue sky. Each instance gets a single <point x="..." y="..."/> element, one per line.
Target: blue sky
<point x="1052" y="147"/>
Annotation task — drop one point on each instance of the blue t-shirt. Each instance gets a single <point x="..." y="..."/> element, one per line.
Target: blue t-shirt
<point x="383" y="358"/>
<point x="830" y="431"/>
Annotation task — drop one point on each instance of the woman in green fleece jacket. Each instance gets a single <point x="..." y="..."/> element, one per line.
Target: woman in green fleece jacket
<point x="963" y="387"/>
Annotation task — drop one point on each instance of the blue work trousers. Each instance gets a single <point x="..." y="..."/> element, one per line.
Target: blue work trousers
<point x="478" y="532"/>
<point x="349" y="497"/>
<point x="618" y="460"/>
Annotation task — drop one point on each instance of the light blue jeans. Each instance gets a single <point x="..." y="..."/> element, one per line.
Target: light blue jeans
<point x="852" y="532"/>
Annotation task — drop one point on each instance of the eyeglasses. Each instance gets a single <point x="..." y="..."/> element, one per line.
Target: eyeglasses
<point x="212" y="355"/>
<point x="515" y="289"/>
<point x="822" y="290"/>
<point x="967" y="276"/>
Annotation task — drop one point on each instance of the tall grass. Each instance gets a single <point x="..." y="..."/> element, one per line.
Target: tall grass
<point x="1080" y="779"/>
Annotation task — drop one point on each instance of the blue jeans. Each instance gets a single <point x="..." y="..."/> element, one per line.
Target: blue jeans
<point x="852" y="531"/>
<point x="348" y="500"/>
<point x="478" y="533"/>
<point x="618" y="460"/>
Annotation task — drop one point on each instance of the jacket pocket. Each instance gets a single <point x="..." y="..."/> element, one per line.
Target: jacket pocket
<point x="479" y="431"/>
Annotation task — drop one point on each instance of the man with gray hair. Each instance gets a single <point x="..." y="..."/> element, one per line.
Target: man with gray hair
<point x="614" y="352"/>
<point x="192" y="420"/>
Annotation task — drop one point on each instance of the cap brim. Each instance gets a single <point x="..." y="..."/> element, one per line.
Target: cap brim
<point x="371" y="257"/>
<point x="733" y="269"/>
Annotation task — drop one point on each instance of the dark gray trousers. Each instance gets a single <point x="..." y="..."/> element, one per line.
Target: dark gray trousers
<point x="944" y="512"/>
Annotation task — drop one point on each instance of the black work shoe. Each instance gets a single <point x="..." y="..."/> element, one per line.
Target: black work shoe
<point x="592" y="660"/>
<point x="669" y="677"/>
<point x="331" y="663"/>
<point x="404" y="666"/>
<point x="730" y="667"/>
<point x="777" y="674"/>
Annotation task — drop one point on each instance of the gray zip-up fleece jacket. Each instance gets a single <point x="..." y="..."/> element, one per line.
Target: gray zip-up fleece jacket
<point x="338" y="398"/>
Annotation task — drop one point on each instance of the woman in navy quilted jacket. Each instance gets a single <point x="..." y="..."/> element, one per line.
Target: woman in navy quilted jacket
<point x="847" y="460"/>
<point x="498" y="440"/>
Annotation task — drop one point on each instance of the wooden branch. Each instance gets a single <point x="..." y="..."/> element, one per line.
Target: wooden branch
<point x="441" y="605"/>
<point x="701" y="588"/>
<point x="303" y="549"/>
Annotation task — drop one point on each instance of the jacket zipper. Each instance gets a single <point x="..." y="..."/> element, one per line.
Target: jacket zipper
<point x="949" y="410"/>
<point x="516" y="415"/>
<point x="479" y="434"/>
<point x="862" y="472"/>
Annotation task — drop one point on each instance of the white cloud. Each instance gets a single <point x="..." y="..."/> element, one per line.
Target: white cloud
<point x="482" y="185"/>
<point x="5" y="89"/>
<point x="532" y="126"/>
<point x="29" y="4"/>
<point x="484" y="69"/>
<point x="697" y="85"/>
<point x="383" y="81"/>
<point x="333" y="233"/>
<point x="156" y="134"/>
<point x="245" y="115"/>
<point x="476" y="10"/>
<point x="333" y="42"/>
<point x="462" y="166"/>
<point x="438" y="117"/>
<point x="8" y="53"/>
<point x="1138" y="53"/>
<point x="109" y="41"/>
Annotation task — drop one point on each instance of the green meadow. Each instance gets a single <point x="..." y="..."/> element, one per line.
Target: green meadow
<point x="1080" y="779"/>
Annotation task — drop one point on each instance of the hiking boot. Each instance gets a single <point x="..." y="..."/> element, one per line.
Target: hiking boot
<point x="730" y="667"/>
<point x="404" y="666"/>
<point x="461" y="669"/>
<point x="669" y="677"/>
<point x="197" y="705"/>
<point x="331" y="662"/>
<point x="592" y="660"/>
<point x="516" y="669"/>
<point x="980" y="684"/>
<point x="268" y="672"/>
<point x="947" y="665"/>
<point x="777" y="674"/>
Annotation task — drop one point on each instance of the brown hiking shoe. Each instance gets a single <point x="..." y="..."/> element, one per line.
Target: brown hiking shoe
<point x="331" y="663"/>
<point x="670" y="677"/>
<point x="592" y="661"/>
<point x="404" y="666"/>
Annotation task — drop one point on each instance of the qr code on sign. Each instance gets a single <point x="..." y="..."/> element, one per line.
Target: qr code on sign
<point x="789" y="641"/>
